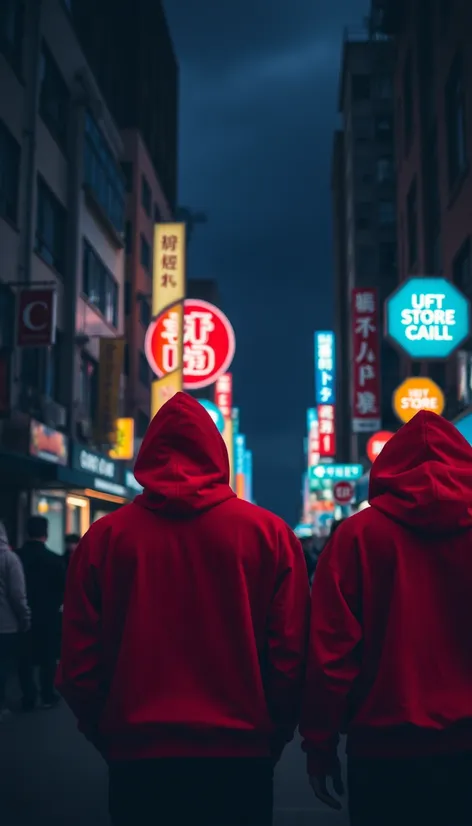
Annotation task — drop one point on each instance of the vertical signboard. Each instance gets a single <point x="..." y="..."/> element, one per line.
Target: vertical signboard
<point x="327" y="431"/>
<point x="313" y="442"/>
<point x="366" y="361"/>
<point x="325" y="368"/>
<point x="325" y="388"/>
<point x="248" y="475"/>
<point x="239" y="452"/>
<point x="235" y="420"/>
<point x="109" y="376"/>
<point x="168" y="294"/>
<point x="36" y="317"/>
<point x="224" y="394"/>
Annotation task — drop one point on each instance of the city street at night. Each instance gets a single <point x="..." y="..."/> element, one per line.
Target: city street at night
<point x="50" y="776"/>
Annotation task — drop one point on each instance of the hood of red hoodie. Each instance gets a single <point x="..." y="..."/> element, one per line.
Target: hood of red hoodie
<point x="183" y="463"/>
<point x="423" y="476"/>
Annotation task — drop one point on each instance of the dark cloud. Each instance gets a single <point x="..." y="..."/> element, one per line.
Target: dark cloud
<point x="258" y="109"/>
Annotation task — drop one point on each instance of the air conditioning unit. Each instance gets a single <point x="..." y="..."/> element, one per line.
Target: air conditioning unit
<point x="54" y="415"/>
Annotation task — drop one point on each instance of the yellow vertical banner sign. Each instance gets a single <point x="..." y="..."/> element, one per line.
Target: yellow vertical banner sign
<point x="109" y="376"/>
<point x="123" y="447"/>
<point x="168" y="295"/>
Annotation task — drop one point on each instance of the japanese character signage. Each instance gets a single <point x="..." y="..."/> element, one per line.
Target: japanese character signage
<point x="224" y="394"/>
<point x="109" y="378"/>
<point x="325" y="368"/>
<point x="337" y="473"/>
<point x="239" y="454"/>
<point x="327" y="434"/>
<point x="365" y="361"/>
<point x="208" y="344"/>
<point x="168" y="294"/>
<point x="313" y="446"/>
<point x="427" y="317"/>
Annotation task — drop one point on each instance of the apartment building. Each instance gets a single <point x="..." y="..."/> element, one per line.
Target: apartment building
<point x="62" y="215"/>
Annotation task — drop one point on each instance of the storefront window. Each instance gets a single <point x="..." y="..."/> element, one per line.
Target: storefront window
<point x="52" y="507"/>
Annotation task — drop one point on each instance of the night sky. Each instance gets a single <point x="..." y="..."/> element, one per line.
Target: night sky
<point x="259" y="85"/>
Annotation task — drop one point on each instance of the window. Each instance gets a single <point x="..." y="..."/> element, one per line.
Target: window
<point x="384" y="170"/>
<point x="455" y="121"/>
<point x="99" y="285"/>
<point x="146" y="197"/>
<point x="461" y="269"/>
<point x="143" y="370"/>
<point x="128" y="238"/>
<point x="145" y="254"/>
<point x="51" y="222"/>
<point x="53" y="97"/>
<point x="363" y="130"/>
<point x="386" y="213"/>
<point x="408" y="115"/>
<point x="363" y="216"/>
<point x="365" y="261"/>
<point x="383" y="87"/>
<point x="127" y="169"/>
<point x="412" y="224"/>
<point x="11" y="31"/>
<point x="103" y="176"/>
<point x="387" y="258"/>
<point x="145" y="313"/>
<point x="157" y="214"/>
<point x="384" y="128"/>
<point x="142" y="424"/>
<point x="10" y="154"/>
<point x="360" y="88"/>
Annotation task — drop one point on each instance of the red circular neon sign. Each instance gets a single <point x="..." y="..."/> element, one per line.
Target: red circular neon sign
<point x="377" y="442"/>
<point x="209" y="343"/>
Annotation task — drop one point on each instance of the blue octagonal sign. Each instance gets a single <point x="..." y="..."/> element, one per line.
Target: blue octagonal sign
<point x="427" y="317"/>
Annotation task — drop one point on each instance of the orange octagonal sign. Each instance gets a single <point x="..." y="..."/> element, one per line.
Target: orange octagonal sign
<point x="417" y="393"/>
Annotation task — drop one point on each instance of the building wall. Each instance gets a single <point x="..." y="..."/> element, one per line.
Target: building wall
<point x="367" y="231"/>
<point x="139" y="224"/>
<point x="57" y="161"/>
<point x="433" y="41"/>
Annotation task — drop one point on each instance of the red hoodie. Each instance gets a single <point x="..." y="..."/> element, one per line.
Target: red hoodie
<point x="390" y="655"/>
<point x="186" y="612"/>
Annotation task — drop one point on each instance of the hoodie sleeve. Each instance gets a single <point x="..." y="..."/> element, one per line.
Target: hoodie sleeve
<point x="288" y="628"/>
<point x="80" y="677"/>
<point x="333" y="652"/>
<point x="17" y="591"/>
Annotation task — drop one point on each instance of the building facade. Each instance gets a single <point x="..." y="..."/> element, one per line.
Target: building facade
<point x="146" y="205"/>
<point x="62" y="217"/>
<point x="433" y="104"/>
<point x="363" y="191"/>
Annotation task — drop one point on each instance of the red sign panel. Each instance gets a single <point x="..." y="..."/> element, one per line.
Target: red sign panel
<point x="209" y="344"/>
<point x="224" y="394"/>
<point x="343" y="493"/>
<point x="36" y="317"/>
<point x="366" y="361"/>
<point x="377" y="442"/>
<point x="327" y="431"/>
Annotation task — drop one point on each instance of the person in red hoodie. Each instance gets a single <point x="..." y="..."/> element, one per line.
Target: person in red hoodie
<point x="185" y="628"/>
<point x="390" y="652"/>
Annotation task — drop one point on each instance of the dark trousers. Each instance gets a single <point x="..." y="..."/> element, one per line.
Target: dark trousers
<point x="426" y="791"/>
<point x="198" y="791"/>
<point x="8" y="660"/>
<point x="38" y="649"/>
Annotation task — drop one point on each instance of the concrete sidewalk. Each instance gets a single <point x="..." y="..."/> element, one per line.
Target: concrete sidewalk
<point x="50" y="776"/>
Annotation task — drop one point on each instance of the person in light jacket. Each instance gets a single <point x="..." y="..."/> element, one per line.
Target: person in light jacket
<point x="14" y="612"/>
